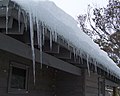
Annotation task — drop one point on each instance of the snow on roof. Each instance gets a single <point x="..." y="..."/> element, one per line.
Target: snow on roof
<point x="60" y="22"/>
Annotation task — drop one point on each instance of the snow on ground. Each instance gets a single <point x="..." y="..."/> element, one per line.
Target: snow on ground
<point x="57" y="20"/>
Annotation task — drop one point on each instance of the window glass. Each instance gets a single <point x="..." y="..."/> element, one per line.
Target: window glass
<point x="18" y="78"/>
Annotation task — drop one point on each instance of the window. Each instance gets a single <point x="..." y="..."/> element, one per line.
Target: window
<point x="18" y="78"/>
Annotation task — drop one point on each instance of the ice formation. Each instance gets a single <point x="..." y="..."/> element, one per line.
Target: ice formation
<point x="19" y="16"/>
<point x="61" y="23"/>
<point x="32" y="42"/>
<point x="7" y="10"/>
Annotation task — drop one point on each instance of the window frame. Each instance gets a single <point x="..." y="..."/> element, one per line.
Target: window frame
<point x="16" y="90"/>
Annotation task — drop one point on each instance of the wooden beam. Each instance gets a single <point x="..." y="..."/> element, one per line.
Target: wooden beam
<point x="76" y="60"/>
<point x="18" y="48"/>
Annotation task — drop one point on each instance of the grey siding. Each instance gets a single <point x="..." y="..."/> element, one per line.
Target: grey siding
<point x="43" y="77"/>
<point x="91" y="84"/>
<point x="69" y="85"/>
<point x="49" y="81"/>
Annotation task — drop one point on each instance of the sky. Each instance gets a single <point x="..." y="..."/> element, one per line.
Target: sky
<point x="76" y="7"/>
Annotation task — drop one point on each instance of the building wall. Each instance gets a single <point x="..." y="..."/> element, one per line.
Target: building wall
<point x="91" y="84"/>
<point x="43" y="77"/>
<point x="49" y="81"/>
<point x="69" y="85"/>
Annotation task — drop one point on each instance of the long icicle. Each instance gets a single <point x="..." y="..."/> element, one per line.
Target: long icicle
<point x="19" y="16"/>
<point x="81" y="57"/>
<point x="50" y="40"/>
<point x="7" y="9"/>
<point x="88" y="65"/>
<point x="95" y="66"/>
<point x="32" y="44"/>
<point x="43" y="33"/>
<point x="41" y="45"/>
<point x="56" y="36"/>
<point x="25" y="19"/>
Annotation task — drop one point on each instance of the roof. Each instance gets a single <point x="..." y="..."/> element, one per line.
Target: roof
<point x="61" y="23"/>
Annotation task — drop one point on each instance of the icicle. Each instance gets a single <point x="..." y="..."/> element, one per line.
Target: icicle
<point x="68" y="45"/>
<point x="41" y="47"/>
<point x="43" y="33"/>
<point x="95" y="64"/>
<point x="32" y="43"/>
<point x="50" y="40"/>
<point x="81" y="57"/>
<point x="25" y="19"/>
<point x="7" y="9"/>
<point x="107" y="71"/>
<point x="75" y="54"/>
<point x="88" y="65"/>
<point x="52" y="34"/>
<point x="39" y="40"/>
<point x="38" y="32"/>
<point x="14" y="5"/>
<point x="19" y="16"/>
<point x="56" y="36"/>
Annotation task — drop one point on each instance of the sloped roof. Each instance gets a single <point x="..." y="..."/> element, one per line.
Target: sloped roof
<point x="63" y="24"/>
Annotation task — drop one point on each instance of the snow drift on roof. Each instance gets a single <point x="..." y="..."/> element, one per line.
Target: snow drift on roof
<point x="60" y="22"/>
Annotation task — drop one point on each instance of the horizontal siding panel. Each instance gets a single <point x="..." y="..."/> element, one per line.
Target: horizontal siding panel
<point x="92" y="78"/>
<point x="92" y="84"/>
<point x="90" y="94"/>
<point x="91" y="90"/>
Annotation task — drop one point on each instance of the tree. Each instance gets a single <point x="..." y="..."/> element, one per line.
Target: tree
<point x="103" y="26"/>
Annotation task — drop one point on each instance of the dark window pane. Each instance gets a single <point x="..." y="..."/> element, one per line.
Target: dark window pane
<point x="18" y="78"/>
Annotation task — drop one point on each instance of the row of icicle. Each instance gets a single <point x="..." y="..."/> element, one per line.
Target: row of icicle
<point x="41" y="28"/>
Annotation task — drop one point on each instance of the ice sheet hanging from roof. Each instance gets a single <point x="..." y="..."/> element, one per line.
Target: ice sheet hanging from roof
<point x="57" y="20"/>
